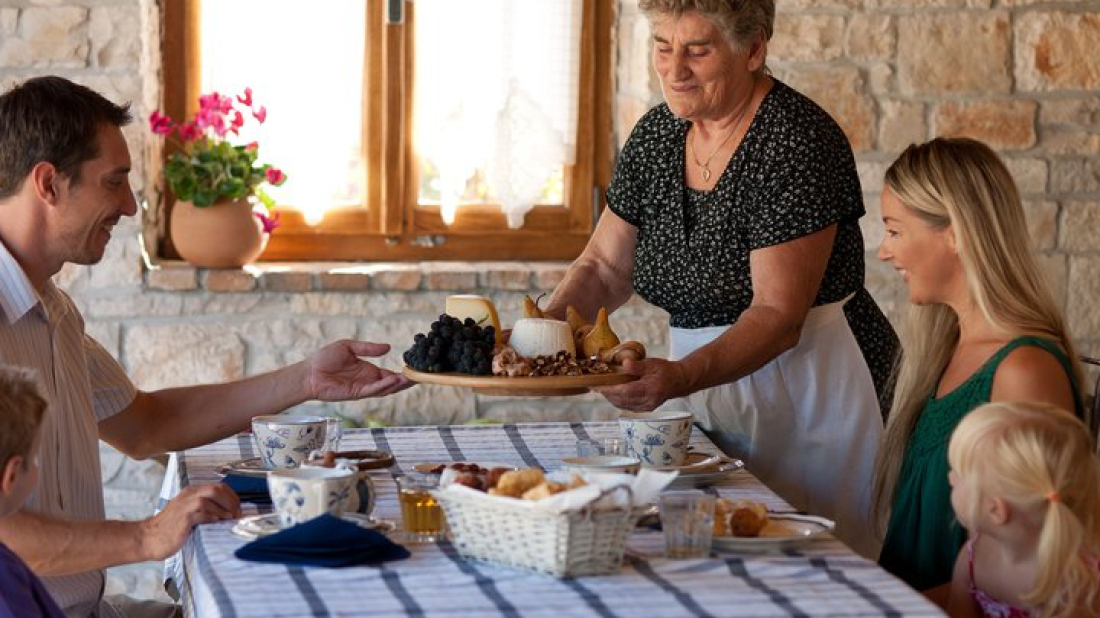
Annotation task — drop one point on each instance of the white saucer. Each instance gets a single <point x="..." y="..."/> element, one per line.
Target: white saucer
<point x="256" y="526"/>
<point x="696" y="462"/>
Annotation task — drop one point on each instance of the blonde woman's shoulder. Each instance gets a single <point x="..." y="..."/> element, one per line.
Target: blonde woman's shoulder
<point x="1030" y="373"/>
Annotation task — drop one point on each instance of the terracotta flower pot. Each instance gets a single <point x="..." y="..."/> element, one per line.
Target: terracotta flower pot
<point x="223" y="235"/>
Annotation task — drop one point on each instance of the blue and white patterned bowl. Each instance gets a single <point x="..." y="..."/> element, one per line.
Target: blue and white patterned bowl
<point x="301" y="494"/>
<point x="657" y="438"/>
<point x="286" y="441"/>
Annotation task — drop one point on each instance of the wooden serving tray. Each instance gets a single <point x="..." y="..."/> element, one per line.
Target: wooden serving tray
<point x="542" y="386"/>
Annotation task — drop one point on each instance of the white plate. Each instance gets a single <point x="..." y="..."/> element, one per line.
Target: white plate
<point x="256" y="526"/>
<point x="708" y="476"/>
<point x="784" y="530"/>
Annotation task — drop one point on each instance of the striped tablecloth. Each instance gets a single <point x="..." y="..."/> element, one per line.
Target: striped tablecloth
<point x="820" y="578"/>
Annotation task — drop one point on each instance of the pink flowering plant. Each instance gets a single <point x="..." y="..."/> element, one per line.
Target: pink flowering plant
<point x="207" y="167"/>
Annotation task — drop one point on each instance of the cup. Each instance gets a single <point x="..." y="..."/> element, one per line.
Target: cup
<point x="657" y="438"/>
<point x="687" y="519"/>
<point x="285" y="441"/>
<point x="300" y="494"/>
<point x="421" y="515"/>
<point x="605" y="446"/>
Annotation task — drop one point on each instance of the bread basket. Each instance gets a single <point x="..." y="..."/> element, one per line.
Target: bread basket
<point x="504" y="531"/>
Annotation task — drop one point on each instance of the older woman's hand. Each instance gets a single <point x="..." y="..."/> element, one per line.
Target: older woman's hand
<point x="658" y="381"/>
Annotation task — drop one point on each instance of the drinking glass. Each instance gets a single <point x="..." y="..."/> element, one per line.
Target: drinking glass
<point x="421" y="516"/>
<point x="605" y="446"/>
<point x="333" y="432"/>
<point x="687" y="518"/>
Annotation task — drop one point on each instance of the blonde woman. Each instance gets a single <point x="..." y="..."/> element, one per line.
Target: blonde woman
<point x="983" y="327"/>
<point x="1025" y="483"/>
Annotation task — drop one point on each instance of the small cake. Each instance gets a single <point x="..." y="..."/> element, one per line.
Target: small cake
<point x="748" y="518"/>
<point x="479" y="308"/>
<point x="533" y="337"/>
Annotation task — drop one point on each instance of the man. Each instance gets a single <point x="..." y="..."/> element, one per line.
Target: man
<point x="64" y="185"/>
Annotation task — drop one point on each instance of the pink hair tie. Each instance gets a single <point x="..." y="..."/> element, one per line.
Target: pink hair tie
<point x="1054" y="497"/>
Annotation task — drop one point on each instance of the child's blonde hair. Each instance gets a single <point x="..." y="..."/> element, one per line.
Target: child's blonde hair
<point x="21" y="410"/>
<point x="1040" y="459"/>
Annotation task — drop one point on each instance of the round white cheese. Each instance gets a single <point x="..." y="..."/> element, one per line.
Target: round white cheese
<point x="533" y="337"/>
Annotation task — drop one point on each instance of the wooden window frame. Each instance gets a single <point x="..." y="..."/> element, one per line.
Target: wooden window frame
<point x="394" y="227"/>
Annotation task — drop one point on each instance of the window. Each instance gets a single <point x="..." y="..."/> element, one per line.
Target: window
<point x="374" y="173"/>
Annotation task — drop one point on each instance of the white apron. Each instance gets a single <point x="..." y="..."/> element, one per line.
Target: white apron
<point x="807" y="424"/>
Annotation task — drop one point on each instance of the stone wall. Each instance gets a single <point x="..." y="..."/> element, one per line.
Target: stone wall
<point x="1020" y="74"/>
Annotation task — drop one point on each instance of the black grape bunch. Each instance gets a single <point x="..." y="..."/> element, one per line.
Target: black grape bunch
<point x="453" y="345"/>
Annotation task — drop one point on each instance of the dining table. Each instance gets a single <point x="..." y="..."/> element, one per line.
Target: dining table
<point x="817" y="577"/>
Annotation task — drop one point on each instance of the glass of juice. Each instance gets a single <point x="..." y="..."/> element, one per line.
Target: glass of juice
<point x="422" y="518"/>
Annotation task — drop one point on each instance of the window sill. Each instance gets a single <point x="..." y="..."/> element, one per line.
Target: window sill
<point x="304" y="277"/>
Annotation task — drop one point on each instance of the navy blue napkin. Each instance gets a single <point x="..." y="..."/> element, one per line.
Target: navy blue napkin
<point x="249" y="488"/>
<point x="325" y="541"/>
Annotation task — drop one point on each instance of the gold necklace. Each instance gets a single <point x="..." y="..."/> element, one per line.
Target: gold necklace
<point x="706" y="164"/>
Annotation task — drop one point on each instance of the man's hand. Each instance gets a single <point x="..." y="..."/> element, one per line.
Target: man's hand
<point x="164" y="533"/>
<point x="337" y="373"/>
<point x="658" y="381"/>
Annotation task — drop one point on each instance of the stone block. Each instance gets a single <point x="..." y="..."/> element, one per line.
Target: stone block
<point x="548" y="275"/>
<point x="110" y="31"/>
<point x="504" y="277"/>
<point x="1069" y="142"/>
<point x="1083" y="295"/>
<point x="9" y="19"/>
<point x="971" y="53"/>
<point x="1057" y="50"/>
<point x="793" y="6"/>
<point x="927" y="4"/>
<point x="1055" y="270"/>
<point x="405" y="278"/>
<point x="871" y="173"/>
<point x="228" y="280"/>
<point x="870" y="36"/>
<point x="48" y="37"/>
<point x="132" y="306"/>
<point x="881" y="78"/>
<point x="1079" y="112"/>
<point x="172" y="278"/>
<point x="901" y="124"/>
<point x="1042" y="223"/>
<point x="160" y="356"/>
<point x="235" y="304"/>
<point x="813" y="37"/>
<point x="287" y="281"/>
<point x="344" y="282"/>
<point x="1075" y="175"/>
<point x="1003" y="125"/>
<point x="840" y="90"/>
<point x="1030" y="174"/>
<point x="1080" y="222"/>
<point x="451" y="276"/>
<point x="108" y="334"/>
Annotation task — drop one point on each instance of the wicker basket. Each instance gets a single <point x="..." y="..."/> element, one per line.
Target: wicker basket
<point x="508" y="532"/>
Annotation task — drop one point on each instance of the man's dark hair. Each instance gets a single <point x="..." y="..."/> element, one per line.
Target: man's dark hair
<point x="55" y="120"/>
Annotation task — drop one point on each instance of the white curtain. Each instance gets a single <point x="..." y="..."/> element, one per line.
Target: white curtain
<point x="496" y="94"/>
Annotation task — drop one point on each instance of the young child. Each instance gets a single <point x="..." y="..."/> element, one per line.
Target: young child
<point x="21" y="408"/>
<point x="1025" y="483"/>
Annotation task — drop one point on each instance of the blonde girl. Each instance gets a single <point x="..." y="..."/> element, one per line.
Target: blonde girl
<point x="1025" y="483"/>
<point x="982" y="327"/>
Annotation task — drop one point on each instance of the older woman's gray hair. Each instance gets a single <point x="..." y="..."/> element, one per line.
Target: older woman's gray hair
<point x="739" y="21"/>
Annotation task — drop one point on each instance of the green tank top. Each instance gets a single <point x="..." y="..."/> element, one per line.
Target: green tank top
<point x="923" y="538"/>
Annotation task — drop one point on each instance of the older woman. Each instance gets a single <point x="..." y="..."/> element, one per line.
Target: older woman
<point x="984" y="327"/>
<point x="734" y="207"/>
